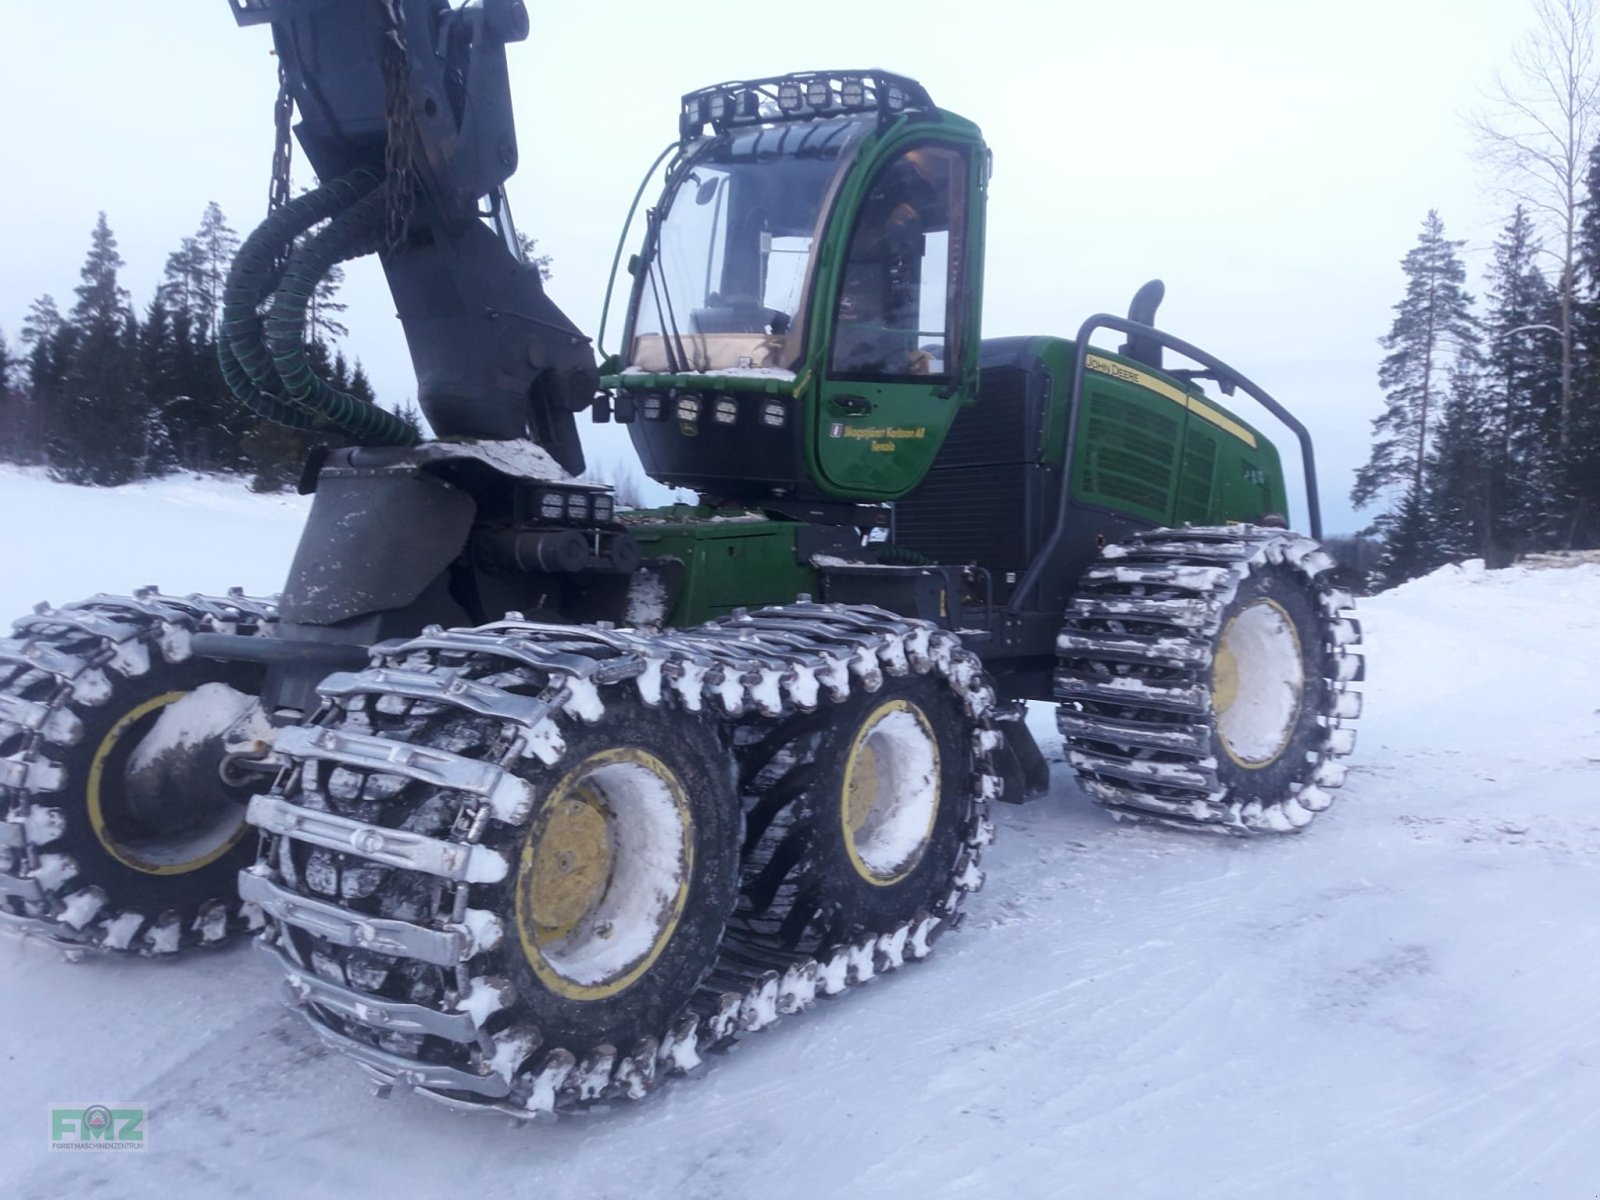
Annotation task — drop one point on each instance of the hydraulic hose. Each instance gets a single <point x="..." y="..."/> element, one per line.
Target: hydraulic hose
<point x="357" y="230"/>
<point x="247" y="365"/>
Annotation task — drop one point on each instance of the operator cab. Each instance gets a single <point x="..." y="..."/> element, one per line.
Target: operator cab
<point x="804" y="311"/>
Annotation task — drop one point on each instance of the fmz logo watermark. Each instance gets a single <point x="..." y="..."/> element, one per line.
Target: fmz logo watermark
<point x="98" y="1126"/>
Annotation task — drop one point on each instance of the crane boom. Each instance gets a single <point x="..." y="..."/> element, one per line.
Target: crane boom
<point x="408" y="103"/>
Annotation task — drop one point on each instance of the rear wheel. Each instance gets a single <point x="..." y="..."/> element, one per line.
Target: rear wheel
<point x="856" y="815"/>
<point x="132" y="822"/>
<point x="1204" y="677"/>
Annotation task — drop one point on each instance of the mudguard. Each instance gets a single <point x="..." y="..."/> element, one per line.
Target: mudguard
<point x="374" y="541"/>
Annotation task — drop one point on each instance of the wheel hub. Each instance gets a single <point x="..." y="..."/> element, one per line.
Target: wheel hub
<point x="571" y="866"/>
<point x="155" y="796"/>
<point x="604" y="874"/>
<point x="1257" y="682"/>
<point x="890" y="798"/>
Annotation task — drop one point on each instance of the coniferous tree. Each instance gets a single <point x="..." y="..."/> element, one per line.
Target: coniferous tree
<point x="12" y="417"/>
<point x="1521" y="389"/>
<point x="215" y="244"/>
<point x="48" y="340"/>
<point x="1433" y="340"/>
<point x="97" y="425"/>
<point x="1457" y="493"/>
<point x="1579" y="470"/>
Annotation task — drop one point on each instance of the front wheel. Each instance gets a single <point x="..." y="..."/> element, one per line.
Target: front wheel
<point x="568" y="908"/>
<point x="1204" y="677"/>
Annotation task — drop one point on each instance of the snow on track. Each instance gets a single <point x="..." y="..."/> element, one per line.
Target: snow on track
<point x="1400" y="1001"/>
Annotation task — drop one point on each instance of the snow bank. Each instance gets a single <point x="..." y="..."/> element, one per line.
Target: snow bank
<point x="186" y="533"/>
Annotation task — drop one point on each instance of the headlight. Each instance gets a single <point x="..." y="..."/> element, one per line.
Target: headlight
<point x="817" y="93"/>
<point x="577" y="507"/>
<point x="653" y="406"/>
<point x="603" y="507"/>
<point x="551" y="505"/>
<point x="688" y="409"/>
<point x="727" y="411"/>
<point x="718" y="106"/>
<point x="789" y="97"/>
<point x="852" y="93"/>
<point x="773" y="413"/>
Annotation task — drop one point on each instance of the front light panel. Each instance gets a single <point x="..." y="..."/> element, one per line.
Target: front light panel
<point x="654" y="406"/>
<point x="774" y="413"/>
<point x="688" y="408"/>
<point x="604" y="507"/>
<point x="726" y="411"/>
<point x="552" y="506"/>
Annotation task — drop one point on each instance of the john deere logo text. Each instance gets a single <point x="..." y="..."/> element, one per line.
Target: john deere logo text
<point x="97" y="1127"/>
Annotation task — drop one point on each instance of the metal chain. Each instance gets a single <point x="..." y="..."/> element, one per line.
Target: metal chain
<point x="283" y="147"/>
<point x="399" y="178"/>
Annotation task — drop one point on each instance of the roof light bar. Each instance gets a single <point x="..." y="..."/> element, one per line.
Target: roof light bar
<point x="803" y="96"/>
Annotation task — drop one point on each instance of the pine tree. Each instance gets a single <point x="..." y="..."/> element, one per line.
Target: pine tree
<point x="1522" y="396"/>
<point x="1409" y="548"/>
<point x="1458" y="495"/>
<point x="1578" y="521"/>
<point x="215" y="244"/>
<point x="49" y="342"/>
<point x="322" y="314"/>
<point x="529" y="247"/>
<point x="98" y="425"/>
<point x="1434" y="337"/>
<point x="12" y="418"/>
<point x="410" y="416"/>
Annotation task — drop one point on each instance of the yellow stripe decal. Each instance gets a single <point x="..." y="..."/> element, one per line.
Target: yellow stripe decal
<point x="1165" y="390"/>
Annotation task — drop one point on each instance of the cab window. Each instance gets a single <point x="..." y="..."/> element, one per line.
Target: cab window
<point x="899" y="297"/>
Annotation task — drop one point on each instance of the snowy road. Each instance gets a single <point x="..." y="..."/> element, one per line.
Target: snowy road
<point x="1400" y="1002"/>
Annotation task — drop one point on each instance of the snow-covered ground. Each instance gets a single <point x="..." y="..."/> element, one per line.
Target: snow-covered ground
<point x="1401" y="1002"/>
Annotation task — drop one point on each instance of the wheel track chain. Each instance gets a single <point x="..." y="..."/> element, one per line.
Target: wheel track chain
<point x="775" y="662"/>
<point x="1137" y="640"/>
<point x="63" y="654"/>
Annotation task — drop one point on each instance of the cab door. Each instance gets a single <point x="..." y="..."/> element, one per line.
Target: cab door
<point x="902" y="321"/>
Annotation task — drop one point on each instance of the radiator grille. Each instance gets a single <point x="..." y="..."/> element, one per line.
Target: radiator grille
<point x="1130" y="452"/>
<point x="967" y="514"/>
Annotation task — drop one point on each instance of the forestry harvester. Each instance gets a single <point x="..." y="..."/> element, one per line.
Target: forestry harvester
<point x="536" y="800"/>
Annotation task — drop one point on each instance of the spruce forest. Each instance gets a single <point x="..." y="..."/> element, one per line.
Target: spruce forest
<point x="105" y="394"/>
<point x="1489" y="442"/>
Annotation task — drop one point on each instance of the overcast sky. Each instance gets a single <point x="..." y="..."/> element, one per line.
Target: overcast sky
<point x="1271" y="160"/>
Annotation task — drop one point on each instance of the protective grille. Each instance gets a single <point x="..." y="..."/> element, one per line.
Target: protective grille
<point x="1130" y="454"/>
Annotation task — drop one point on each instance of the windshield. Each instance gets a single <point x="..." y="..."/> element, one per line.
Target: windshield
<point x="725" y="282"/>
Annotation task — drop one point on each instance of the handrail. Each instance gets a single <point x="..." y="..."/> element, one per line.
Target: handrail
<point x="1225" y="375"/>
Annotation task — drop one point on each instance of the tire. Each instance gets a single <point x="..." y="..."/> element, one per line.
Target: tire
<point x="134" y="847"/>
<point x="633" y="760"/>
<point x="855" y="815"/>
<point x="553" y="969"/>
<point x="1204" y="677"/>
<point x="446" y="864"/>
<point x="1267" y="688"/>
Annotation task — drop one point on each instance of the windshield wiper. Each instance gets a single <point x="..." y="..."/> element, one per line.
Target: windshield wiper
<point x="677" y="357"/>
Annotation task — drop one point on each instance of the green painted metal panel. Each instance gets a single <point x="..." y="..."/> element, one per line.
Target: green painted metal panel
<point x="731" y="558"/>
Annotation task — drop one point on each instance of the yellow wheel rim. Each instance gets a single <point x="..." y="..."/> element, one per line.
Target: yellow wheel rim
<point x="889" y="801"/>
<point x="1258" y="680"/>
<point x="603" y="877"/>
<point x="572" y="864"/>
<point x="95" y="796"/>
